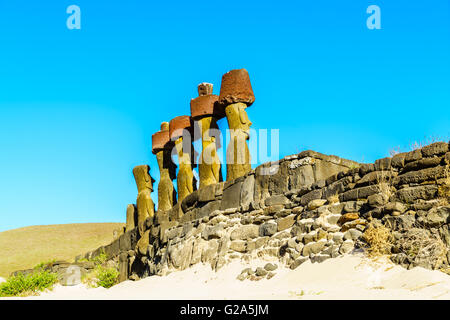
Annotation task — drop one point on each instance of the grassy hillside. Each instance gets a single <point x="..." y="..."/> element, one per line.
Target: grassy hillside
<point x="26" y="247"/>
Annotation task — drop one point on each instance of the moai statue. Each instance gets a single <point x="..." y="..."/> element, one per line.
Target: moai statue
<point x="131" y="217"/>
<point x="236" y="95"/>
<point x="205" y="111"/>
<point x="161" y="147"/>
<point x="180" y="131"/>
<point x="144" y="202"/>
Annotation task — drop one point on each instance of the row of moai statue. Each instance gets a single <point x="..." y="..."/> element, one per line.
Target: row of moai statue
<point x="236" y="95"/>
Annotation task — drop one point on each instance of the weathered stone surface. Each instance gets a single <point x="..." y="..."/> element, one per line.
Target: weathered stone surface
<point x="279" y="180"/>
<point x="349" y="195"/>
<point x="128" y="240"/>
<point x="238" y="245"/>
<point x="437" y="217"/>
<point x="297" y="262"/>
<point x="123" y="266"/>
<point x="374" y="178"/>
<point x="207" y="193"/>
<point x="190" y="201"/>
<point x="398" y="160"/>
<point x="131" y="217"/>
<point x="273" y="209"/>
<point x="348" y="217"/>
<point x="310" y="196"/>
<point x="395" y="206"/>
<point x="399" y="222"/>
<point x="352" y="234"/>
<point x="429" y="174"/>
<point x="214" y="232"/>
<point x="314" y="204"/>
<point x="413" y="156"/>
<point x="365" y="192"/>
<point x="245" y="232"/>
<point x="268" y="229"/>
<point x="231" y="197"/>
<point x="377" y="200"/>
<point x="208" y="209"/>
<point x="358" y="223"/>
<point x="142" y="244"/>
<point x="422" y="164"/>
<point x="247" y="192"/>
<point x="277" y="200"/>
<point x="365" y="168"/>
<point x="313" y="247"/>
<point x="346" y="247"/>
<point x="409" y="195"/>
<point x="383" y="164"/>
<point x="71" y="276"/>
<point x="319" y="258"/>
<point x="302" y="175"/>
<point x="260" y="272"/>
<point x="437" y="148"/>
<point x="256" y="243"/>
<point x="285" y="223"/>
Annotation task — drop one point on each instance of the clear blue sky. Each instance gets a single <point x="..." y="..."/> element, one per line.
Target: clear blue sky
<point x="78" y="107"/>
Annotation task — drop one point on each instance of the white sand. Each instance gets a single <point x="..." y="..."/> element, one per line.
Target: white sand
<point x="348" y="277"/>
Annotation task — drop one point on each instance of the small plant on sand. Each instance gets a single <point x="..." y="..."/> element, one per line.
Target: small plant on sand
<point x="25" y="285"/>
<point x="101" y="276"/>
<point x="378" y="239"/>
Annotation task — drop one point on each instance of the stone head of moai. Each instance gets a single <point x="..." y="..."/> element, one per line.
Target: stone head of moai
<point x="205" y="111"/>
<point x="142" y="177"/>
<point x="236" y="94"/>
<point x="180" y="131"/>
<point x="161" y="147"/>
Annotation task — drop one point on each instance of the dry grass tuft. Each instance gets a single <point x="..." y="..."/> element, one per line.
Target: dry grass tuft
<point x="378" y="238"/>
<point x="384" y="185"/>
<point x="421" y="246"/>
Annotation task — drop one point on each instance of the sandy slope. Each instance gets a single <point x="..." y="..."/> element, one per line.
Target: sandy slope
<point x="349" y="277"/>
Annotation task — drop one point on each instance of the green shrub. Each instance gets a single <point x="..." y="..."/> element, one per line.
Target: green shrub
<point x="107" y="277"/>
<point x="100" y="259"/>
<point x="33" y="283"/>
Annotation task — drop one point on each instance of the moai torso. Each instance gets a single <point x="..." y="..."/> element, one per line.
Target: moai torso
<point x="185" y="177"/>
<point x="238" y="154"/>
<point x="144" y="202"/>
<point x="161" y="147"/>
<point x="209" y="163"/>
<point x="166" y="191"/>
<point x="236" y="95"/>
<point x="205" y="111"/>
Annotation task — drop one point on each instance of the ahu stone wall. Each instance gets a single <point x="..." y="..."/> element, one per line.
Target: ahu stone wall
<point x="308" y="206"/>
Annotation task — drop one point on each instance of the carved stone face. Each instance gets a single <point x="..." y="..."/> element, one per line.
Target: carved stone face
<point x="143" y="178"/>
<point x="237" y="118"/>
